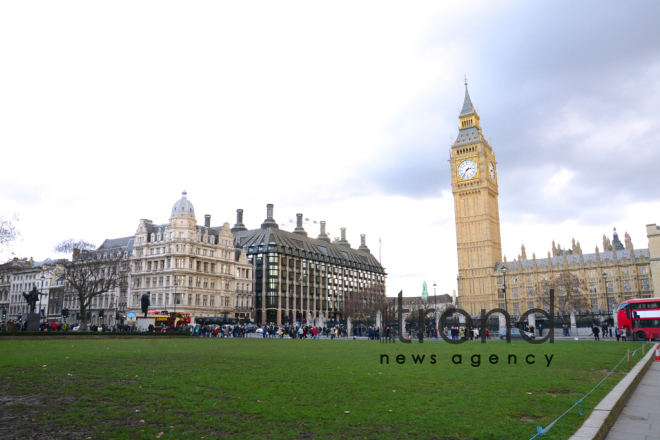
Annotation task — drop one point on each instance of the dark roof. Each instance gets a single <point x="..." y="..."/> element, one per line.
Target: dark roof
<point x="125" y="243"/>
<point x="285" y="242"/>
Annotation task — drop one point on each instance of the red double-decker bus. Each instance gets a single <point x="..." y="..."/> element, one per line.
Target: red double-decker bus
<point x="639" y="318"/>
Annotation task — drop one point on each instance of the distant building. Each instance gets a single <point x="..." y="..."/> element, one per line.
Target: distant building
<point x="299" y="278"/>
<point x="190" y="267"/>
<point x="21" y="276"/>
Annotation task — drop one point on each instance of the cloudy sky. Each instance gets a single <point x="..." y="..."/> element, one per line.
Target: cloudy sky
<point x="342" y="111"/>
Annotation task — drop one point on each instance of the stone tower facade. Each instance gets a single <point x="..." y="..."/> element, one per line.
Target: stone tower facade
<point x="474" y="185"/>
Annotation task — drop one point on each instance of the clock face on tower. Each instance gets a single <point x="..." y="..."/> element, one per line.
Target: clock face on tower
<point x="491" y="170"/>
<point x="467" y="169"/>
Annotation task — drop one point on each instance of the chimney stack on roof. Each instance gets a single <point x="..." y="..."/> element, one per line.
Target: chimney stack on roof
<point x="299" y="225"/>
<point x="343" y="241"/>
<point x="207" y="220"/>
<point x="363" y="243"/>
<point x="270" y="221"/>
<point x="239" y="226"/>
<point x="323" y="236"/>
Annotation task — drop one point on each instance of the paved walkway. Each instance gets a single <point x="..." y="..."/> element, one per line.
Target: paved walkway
<point x="640" y="418"/>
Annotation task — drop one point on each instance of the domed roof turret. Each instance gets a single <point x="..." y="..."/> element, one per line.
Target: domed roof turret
<point x="183" y="206"/>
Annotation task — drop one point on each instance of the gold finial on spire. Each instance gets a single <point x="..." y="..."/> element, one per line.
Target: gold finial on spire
<point x="465" y="76"/>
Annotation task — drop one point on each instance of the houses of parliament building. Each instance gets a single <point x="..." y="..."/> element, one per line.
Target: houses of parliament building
<point x="607" y="276"/>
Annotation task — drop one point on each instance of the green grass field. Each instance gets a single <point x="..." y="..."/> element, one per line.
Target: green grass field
<point x="288" y="389"/>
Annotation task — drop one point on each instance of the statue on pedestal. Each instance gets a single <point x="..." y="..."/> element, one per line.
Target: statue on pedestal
<point x="32" y="298"/>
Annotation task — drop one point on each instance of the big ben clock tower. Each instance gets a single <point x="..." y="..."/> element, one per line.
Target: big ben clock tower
<point x="474" y="185"/>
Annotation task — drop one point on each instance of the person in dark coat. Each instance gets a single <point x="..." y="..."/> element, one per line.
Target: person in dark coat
<point x="596" y="331"/>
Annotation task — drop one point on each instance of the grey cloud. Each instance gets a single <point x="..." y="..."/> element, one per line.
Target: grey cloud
<point x="532" y="65"/>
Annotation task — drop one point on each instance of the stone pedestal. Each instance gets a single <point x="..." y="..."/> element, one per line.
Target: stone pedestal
<point x="502" y="322"/>
<point x="33" y="320"/>
<point x="531" y="320"/>
<point x="349" y="326"/>
<point x="573" y="325"/>
<point x="378" y="319"/>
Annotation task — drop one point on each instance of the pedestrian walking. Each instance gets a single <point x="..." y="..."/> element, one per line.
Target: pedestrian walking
<point x="596" y="331"/>
<point x="617" y="332"/>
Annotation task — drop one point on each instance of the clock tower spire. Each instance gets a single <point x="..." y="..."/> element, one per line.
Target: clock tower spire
<point x="474" y="185"/>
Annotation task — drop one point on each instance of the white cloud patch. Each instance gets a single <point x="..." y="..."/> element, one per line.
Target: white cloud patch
<point x="558" y="183"/>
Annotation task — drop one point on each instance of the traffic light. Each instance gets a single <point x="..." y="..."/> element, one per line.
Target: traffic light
<point x="4" y="314"/>
<point x="65" y="313"/>
<point x="117" y="316"/>
<point x="20" y="318"/>
<point x="100" y="313"/>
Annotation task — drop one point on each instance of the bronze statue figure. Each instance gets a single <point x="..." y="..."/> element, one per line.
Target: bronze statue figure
<point x="145" y="299"/>
<point x="32" y="298"/>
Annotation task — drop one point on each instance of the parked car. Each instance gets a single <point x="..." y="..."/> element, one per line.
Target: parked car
<point x="515" y="334"/>
<point x="258" y="330"/>
<point x="76" y="328"/>
<point x="250" y="328"/>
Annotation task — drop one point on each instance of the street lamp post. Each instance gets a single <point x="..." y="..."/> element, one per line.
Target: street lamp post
<point x="176" y="300"/>
<point x="605" y="291"/>
<point x="43" y="278"/>
<point x="435" y="301"/>
<point x="506" y="308"/>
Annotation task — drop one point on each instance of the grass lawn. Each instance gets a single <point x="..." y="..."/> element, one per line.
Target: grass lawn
<point x="288" y="389"/>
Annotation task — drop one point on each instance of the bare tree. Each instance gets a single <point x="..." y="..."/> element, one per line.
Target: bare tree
<point x="8" y="232"/>
<point x="92" y="273"/>
<point x="570" y="293"/>
<point x="364" y="305"/>
<point x="68" y="246"/>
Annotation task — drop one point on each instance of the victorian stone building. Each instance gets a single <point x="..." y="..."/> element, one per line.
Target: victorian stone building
<point x="298" y="278"/>
<point x="608" y="276"/>
<point x="190" y="267"/>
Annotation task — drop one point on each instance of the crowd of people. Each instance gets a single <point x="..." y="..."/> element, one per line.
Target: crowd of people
<point x="297" y="331"/>
<point x="301" y="331"/>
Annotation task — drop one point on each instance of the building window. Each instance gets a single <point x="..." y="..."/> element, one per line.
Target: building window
<point x="609" y="287"/>
<point x="607" y="273"/>
<point x="627" y="286"/>
<point x="594" y="304"/>
<point x="190" y="299"/>
<point x="592" y="288"/>
<point x="530" y="305"/>
<point x="646" y="285"/>
<point x="591" y="274"/>
<point x="529" y="279"/>
<point x="625" y="272"/>
<point x="643" y="270"/>
<point x="196" y="298"/>
<point x="212" y="301"/>
<point x="205" y="300"/>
